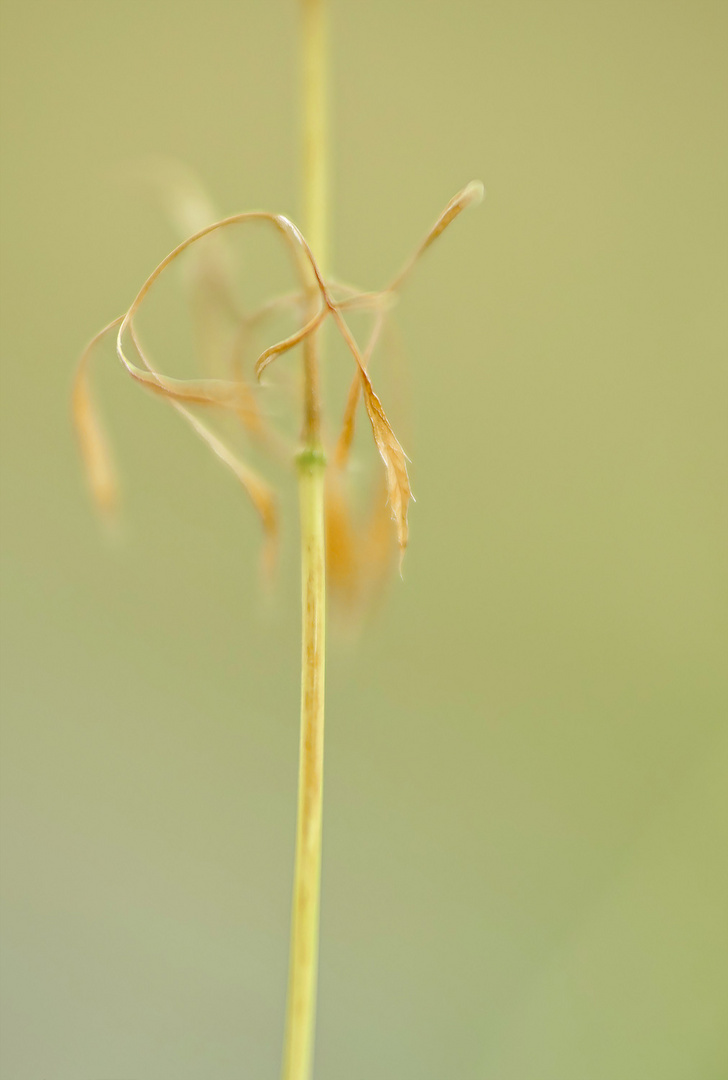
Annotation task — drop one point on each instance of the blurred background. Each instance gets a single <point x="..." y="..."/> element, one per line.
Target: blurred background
<point x="525" y="828"/>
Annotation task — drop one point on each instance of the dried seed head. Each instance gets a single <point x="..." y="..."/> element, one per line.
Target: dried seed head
<point x="351" y="557"/>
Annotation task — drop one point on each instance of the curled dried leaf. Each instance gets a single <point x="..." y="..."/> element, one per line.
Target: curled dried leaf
<point x="274" y="351"/>
<point x="220" y="392"/>
<point x="315" y="303"/>
<point x="181" y="393"/>
<point x="248" y="411"/>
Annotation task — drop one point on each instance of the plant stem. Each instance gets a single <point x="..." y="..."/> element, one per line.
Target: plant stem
<point x="301" y="1008"/>
<point x="315" y="125"/>
<point x="306" y="889"/>
<point x="315" y="190"/>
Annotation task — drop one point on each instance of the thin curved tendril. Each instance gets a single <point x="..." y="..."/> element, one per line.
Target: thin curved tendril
<point x="272" y="353"/>
<point x="215" y="391"/>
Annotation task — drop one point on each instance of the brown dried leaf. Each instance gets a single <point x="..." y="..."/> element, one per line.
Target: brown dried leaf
<point x="274" y="351"/>
<point x="95" y="450"/>
<point x="359" y="549"/>
<point x="91" y="435"/>
<point x="392" y="454"/>
<point x="377" y="546"/>
<point x="346" y="435"/>
<point x="220" y="392"/>
<point x="342" y="558"/>
<point x="395" y="462"/>
<point x="470" y="195"/>
<point x="259" y="492"/>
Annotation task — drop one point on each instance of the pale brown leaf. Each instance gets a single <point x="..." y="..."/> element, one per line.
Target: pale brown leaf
<point x="258" y="491"/>
<point x="470" y="195"/>
<point x="346" y="435"/>
<point x="392" y="454"/>
<point x="395" y="463"/>
<point x="274" y="351"/>
<point x="377" y="546"/>
<point x="95" y="449"/>
<point x="92" y="439"/>
<point x="342" y="557"/>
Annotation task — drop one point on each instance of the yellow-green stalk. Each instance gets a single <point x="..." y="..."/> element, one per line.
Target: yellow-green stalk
<point x="301" y="1009"/>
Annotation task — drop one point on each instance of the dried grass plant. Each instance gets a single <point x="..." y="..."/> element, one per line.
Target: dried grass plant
<point x="328" y="534"/>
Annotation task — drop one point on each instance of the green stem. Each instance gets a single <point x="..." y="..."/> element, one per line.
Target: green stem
<point x="315" y="192"/>
<point x="301" y="1009"/>
<point x="301" y="1016"/>
<point x="315" y="128"/>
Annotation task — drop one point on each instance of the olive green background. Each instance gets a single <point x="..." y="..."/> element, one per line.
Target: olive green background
<point x="525" y="835"/>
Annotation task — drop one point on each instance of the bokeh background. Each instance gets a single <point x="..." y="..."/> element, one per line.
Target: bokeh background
<point x="525" y="837"/>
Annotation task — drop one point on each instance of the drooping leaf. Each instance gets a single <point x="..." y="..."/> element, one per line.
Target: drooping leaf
<point x="342" y="555"/>
<point x="395" y="463"/>
<point x="95" y="449"/>
<point x="258" y="490"/>
<point x="392" y="454"/>
<point x="470" y="195"/>
<point x="92" y="438"/>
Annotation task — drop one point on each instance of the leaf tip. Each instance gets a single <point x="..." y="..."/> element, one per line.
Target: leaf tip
<point x="473" y="193"/>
